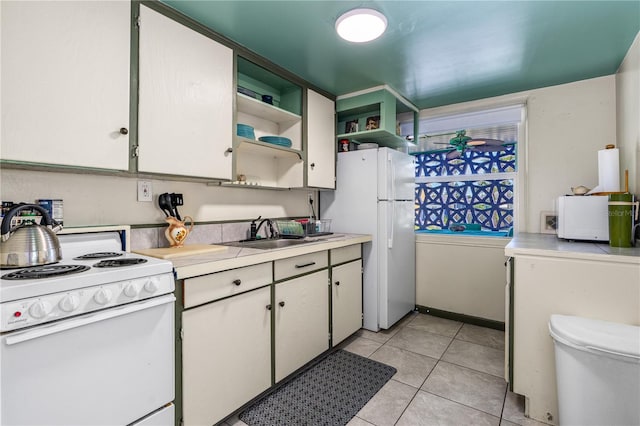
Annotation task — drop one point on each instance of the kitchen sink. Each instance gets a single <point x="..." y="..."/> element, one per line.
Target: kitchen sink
<point x="266" y="244"/>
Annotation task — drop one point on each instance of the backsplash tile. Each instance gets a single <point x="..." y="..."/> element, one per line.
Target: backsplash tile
<point x="205" y="234"/>
<point x="235" y="231"/>
<point x="212" y="233"/>
<point x="144" y="238"/>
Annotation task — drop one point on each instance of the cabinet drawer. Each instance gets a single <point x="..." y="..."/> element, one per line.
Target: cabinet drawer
<point x="300" y="265"/>
<point x="345" y="254"/>
<point x="226" y="283"/>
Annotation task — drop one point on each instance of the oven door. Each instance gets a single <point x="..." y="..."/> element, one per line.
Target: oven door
<point x="106" y="368"/>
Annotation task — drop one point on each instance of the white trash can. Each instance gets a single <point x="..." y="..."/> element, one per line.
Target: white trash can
<point x="597" y="371"/>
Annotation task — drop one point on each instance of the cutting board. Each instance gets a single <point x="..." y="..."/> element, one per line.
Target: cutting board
<point x="186" y="250"/>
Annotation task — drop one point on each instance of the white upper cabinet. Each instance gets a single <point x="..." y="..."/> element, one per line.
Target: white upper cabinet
<point x="321" y="147"/>
<point x="185" y="118"/>
<point x="65" y="83"/>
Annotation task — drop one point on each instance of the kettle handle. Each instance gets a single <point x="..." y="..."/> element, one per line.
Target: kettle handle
<point x="5" y="228"/>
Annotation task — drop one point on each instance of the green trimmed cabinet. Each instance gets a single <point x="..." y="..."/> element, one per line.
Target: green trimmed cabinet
<point x="185" y="118"/>
<point x="346" y="292"/>
<point x="301" y="317"/>
<point x="65" y="83"/>
<point x="321" y="149"/>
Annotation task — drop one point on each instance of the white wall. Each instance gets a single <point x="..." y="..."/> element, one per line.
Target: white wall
<point x="566" y="125"/>
<point x="105" y="200"/>
<point x="628" y="109"/>
<point x="460" y="274"/>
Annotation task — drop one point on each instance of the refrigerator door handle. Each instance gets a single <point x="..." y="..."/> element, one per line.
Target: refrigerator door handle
<point x="391" y="225"/>
<point x="393" y="177"/>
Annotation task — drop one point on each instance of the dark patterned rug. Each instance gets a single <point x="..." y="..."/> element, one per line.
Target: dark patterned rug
<point x="329" y="393"/>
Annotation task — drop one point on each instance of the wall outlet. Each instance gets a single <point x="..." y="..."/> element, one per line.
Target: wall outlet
<point x="145" y="192"/>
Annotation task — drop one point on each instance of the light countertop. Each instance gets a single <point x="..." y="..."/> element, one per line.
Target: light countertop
<point x="552" y="246"/>
<point x="237" y="257"/>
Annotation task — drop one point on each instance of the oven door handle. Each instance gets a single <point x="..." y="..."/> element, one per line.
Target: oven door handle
<point x="68" y="324"/>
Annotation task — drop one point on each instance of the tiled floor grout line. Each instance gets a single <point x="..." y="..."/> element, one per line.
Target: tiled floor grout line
<point x="425" y="379"/>
<point x="439" y="359"/>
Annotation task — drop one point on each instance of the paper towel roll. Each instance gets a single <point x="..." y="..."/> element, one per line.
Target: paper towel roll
<point x="608" y="171"/>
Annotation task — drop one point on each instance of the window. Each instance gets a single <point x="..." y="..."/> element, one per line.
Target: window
<point x="476" y="192"/>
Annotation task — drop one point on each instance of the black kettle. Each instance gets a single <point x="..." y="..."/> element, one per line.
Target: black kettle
<point x="29" y="244"/>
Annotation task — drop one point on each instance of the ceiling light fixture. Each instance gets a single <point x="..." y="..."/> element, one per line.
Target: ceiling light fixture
<point x="361" y="25"/>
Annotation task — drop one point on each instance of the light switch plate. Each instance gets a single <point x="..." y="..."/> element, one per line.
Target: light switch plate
<point x="145" y="192"/>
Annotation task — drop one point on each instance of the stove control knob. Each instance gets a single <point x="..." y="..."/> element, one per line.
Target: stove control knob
<point x="102" y="296"/>
<point x="131" y="290"/>
<point x="69" y="303"/>
<point x="151" y="286"/>
<point x="40" y="309"/>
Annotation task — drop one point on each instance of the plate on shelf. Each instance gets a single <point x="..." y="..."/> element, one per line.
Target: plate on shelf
<point x="276" y="140"/>
<point x="245" y="131"/>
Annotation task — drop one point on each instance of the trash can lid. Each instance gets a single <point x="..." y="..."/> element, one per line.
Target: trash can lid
<point x="591" y="335"/>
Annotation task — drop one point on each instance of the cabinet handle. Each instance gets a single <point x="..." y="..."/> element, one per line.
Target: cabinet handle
<point x="268" y="307"/>
<point x="337" y="282"/>
<point x="304" y="265"/>
<point x="124" y="131"/>
<point x="312" y="165"/>
<point x="281" y="303"/>
<point x="237" y="282"/>
<point x="229" y="150"/>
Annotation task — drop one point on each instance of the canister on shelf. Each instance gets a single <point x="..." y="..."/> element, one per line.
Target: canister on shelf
<point x="54" y="207"/>
<point x="344" y="145"/>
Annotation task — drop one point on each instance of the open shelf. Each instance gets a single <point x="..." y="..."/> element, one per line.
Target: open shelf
<point x="248" y="186"/>
<point x="259" y="148"/>
<point x="381" y="106"/>
<point x="379" y="136"/>
<point x="266" y="111"/>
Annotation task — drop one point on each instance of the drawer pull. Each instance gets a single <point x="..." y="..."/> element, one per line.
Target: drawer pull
<point x="304" y="265"/>
<point x="237" y="282"/>
<point x="268" y="307"/>
<point x="281" y="303"/>
<point x="337" y="282"/>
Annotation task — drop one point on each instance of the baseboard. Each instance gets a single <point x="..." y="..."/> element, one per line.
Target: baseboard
<point x="469" y="319"/>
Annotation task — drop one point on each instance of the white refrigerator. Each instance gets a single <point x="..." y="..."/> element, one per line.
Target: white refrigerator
<point x="375" y="195"/>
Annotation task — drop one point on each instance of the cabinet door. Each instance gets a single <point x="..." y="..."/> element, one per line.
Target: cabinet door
<point x="321" y="141"/>
<point x="65" y="83"/>
<point x="186" y="100"/>
<point x="226" y="355"/>
<point x="346" y="298"/>
<point x="301" y="321"/>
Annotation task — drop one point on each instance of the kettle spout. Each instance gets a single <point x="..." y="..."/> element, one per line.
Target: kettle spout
<point x="55" y="226"/>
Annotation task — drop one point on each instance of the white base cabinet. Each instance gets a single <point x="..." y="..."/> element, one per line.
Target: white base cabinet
<point x="301" y="321"/>
<point x="226" y="355"/>
<point x="346" y="292"/>
<point x="246" y="329"/>
<point x="346" y="299"/>
<point x="553" y="276"/>
<point x="65" y="83"/>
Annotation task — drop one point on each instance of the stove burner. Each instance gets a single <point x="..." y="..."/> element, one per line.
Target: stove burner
<point x="46" y="271"/>
<point x="100" y="255"/>
<point x="116" y="263"/>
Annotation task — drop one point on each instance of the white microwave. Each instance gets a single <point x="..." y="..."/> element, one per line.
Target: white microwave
<point x="583" y="217"/>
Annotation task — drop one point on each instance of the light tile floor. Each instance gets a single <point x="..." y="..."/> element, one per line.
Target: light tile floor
<point x="449" y="373"/>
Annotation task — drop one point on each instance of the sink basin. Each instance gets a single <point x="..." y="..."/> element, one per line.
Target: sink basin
<point x="268" y="244"/>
